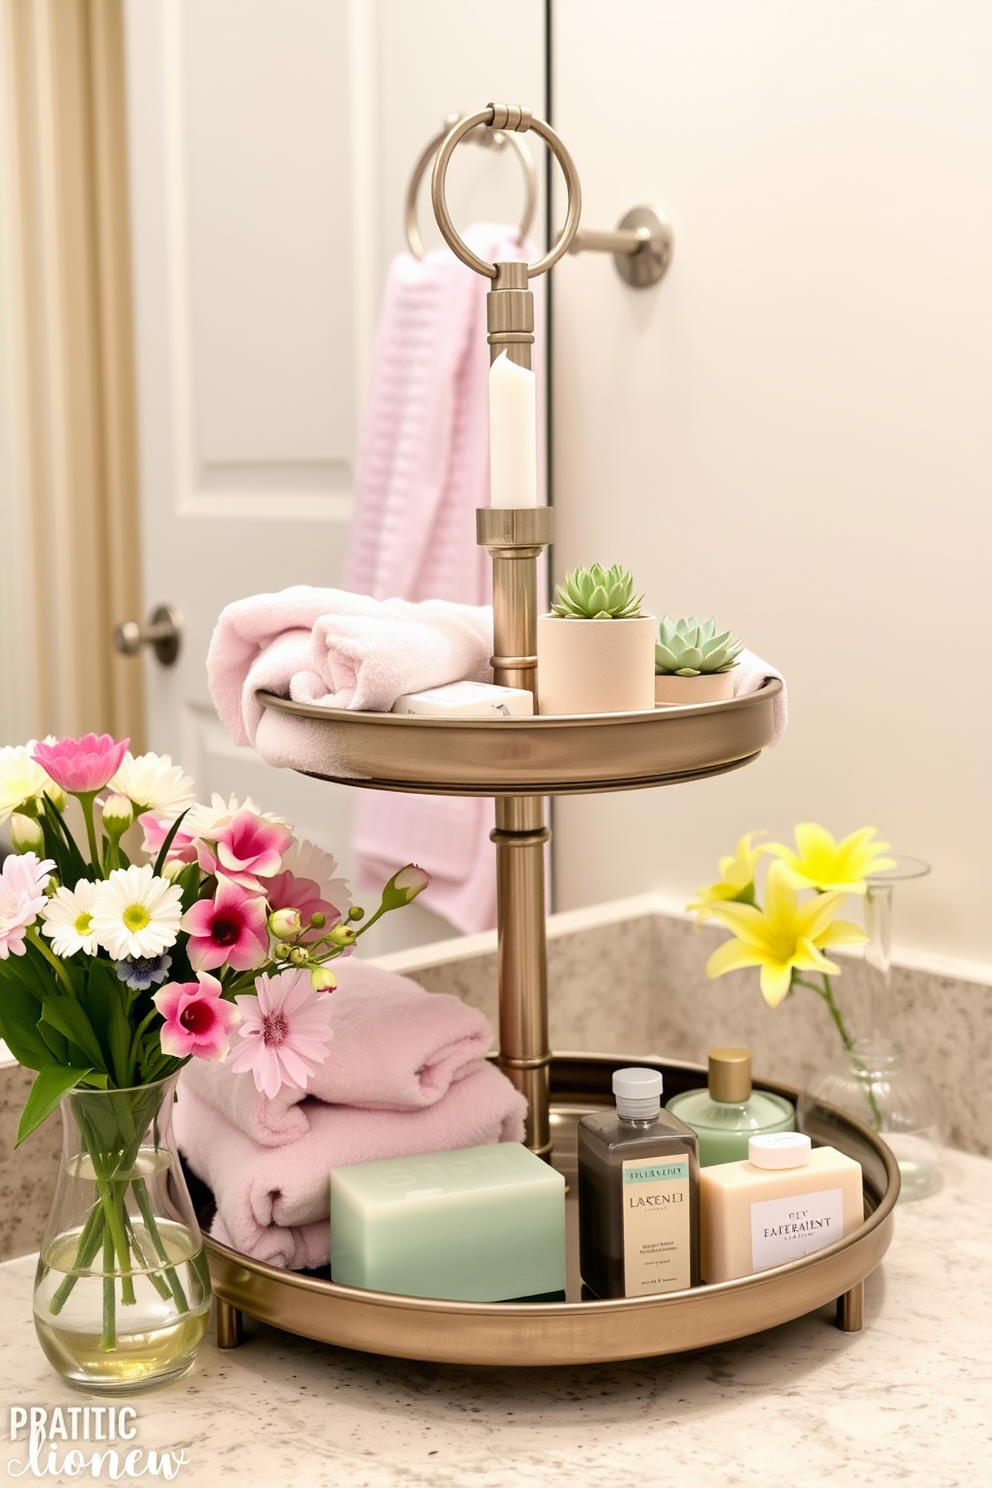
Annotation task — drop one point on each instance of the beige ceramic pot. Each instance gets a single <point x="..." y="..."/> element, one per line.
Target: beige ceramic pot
<point x="595" y="666"/>
<point x="681" y="692"/>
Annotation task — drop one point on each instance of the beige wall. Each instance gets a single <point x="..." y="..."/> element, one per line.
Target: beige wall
<point x="792" y="431"/>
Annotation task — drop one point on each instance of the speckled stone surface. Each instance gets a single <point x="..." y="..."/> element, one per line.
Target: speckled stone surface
<point x="631" y="980"/>
<point x="637" y="984"/>
<point x="944" y="1023"/>
<point x="27" y="1173"/>
<point x="906" y="1402"/>
<point x="597" y="998"/>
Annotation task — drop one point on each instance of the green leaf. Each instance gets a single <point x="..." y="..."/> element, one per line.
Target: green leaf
<point x="103" y="1000"/>
<point x="21" y="1011"/>
<point x="71" y="1020"/>
<point x="164" y="849"/>
<point x="58" y="1044"/>
<point x="61" y="845"/>
<point x="32" y="971"/>
<point x="48" y="1089"/>
<point x="189" y="882"/>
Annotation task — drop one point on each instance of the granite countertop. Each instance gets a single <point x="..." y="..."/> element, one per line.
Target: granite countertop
<point x="905" y="1402"/>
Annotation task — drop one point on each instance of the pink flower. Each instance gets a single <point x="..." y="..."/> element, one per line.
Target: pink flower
<point x="249" y="844"/>
<point x="84" y="765"/>
<point x="22" y="885"/>
<point x="246" y="849"/>
<point x="228" y="930"/>
<point x="284" y="1031"/>
<point x="285" y="891"/>
<point x="404" y="886"/>
<point x="197" y="1019"/>
<point x="157" y="828"/>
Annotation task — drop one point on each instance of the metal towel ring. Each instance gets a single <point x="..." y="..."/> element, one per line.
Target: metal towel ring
<point x="506" y="118"/>
<point x="494" y="138"/>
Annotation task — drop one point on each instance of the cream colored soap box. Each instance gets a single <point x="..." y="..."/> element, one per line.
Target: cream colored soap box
<point x="753" y="1218"/>
<point x="467" y="700"/>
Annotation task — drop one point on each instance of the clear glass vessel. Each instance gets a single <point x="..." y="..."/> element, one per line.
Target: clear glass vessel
<point x="874" y="1080"/>
<point x="122" y="1289"/>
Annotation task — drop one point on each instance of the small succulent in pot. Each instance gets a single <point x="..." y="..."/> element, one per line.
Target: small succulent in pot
<point x="693" y="661"/>
<point x="597" y="593"/>
<point x="595" y="667"/>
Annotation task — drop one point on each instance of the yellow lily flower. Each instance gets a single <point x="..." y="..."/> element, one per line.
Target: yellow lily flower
<point x="822" y="863"/>
<point x="783" y="937"/>
<point x="736" y="874"/>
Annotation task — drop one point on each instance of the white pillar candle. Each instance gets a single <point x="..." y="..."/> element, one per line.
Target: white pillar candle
<point x="512" y="434"/>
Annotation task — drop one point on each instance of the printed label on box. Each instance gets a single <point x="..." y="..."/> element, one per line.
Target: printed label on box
<point x="785" y="1229"/>
<point x="656" y="1254"/>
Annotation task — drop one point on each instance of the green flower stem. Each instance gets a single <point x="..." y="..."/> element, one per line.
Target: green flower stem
<point x="37" y="941"/>
<point x="826" y="994"/>
<point x="150" y="1272"/>
<point x="171" y="1276"/>
<point x="112" y="1198"/>
<point x="108" y="1340"/>
<point x="86" y="799"/>
<point x="90" y="1239"/>
<point x="133" y="1054"/>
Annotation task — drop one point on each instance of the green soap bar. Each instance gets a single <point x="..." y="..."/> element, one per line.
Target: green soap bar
<point x="481" y="1224"/>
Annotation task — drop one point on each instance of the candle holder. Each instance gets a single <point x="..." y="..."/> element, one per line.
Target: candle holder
<point x="515" y="538"/>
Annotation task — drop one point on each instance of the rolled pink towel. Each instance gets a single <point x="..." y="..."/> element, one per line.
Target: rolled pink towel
<point x="394" y="1047"/>
<point x="264" y="1190"/>
<point x="340" y="650"/>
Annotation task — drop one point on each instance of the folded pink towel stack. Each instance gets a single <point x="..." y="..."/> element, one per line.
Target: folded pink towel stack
<point x="405" y="1074"/>
<point x="395" y="1047"/>
<point x="339" y="650"/>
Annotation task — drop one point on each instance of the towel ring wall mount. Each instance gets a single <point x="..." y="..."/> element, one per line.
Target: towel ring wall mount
<point x="641" y="244"/>
<point x="497" y="139"/>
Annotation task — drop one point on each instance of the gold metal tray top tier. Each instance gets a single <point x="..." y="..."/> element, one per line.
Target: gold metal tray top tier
<point x="577" y="1331"/>
<point x="542" y="756"/>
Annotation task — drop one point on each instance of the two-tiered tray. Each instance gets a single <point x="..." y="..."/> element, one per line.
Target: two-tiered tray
<point x="519" y="761"/>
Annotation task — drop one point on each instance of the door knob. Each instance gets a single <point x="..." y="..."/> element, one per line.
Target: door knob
<point x="163" y="633"/>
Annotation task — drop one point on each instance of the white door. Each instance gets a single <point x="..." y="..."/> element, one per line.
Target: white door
<point x="270" y="145"/>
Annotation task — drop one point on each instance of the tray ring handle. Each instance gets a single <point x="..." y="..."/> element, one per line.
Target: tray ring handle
<point x="491" y="137"/>
<point x="507" y="118"/>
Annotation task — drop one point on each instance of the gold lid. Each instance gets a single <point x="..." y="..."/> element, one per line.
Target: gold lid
<point x="730" y="1074"/>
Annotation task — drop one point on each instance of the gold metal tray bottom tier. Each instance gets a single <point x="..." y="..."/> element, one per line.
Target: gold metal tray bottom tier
<point x="577" y="1331"/>
<point x="548" y="756"/>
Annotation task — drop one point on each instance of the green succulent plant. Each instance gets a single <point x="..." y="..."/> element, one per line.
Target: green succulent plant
<point x="597" y="593"/>
<point x="687" y="647"/>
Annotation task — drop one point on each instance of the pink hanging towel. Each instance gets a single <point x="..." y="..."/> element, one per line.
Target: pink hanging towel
<point x="422" y="472"/>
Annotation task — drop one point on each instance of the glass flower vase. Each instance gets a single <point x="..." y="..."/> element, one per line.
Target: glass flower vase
<point x="122" y="1290"/>
<point x="874" y="1080"/>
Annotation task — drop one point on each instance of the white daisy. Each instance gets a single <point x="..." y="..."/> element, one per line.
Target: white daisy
<point x="204" y="821"/>
<point x="135" y="913"/>
<point x="153" y="783"/>
<point x="68" y="920"/>
<point x="22" y="778"/>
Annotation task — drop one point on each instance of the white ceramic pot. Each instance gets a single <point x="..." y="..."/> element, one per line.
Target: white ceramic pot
<point x="595" y="666"/>
<point x="681" y="692"/>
